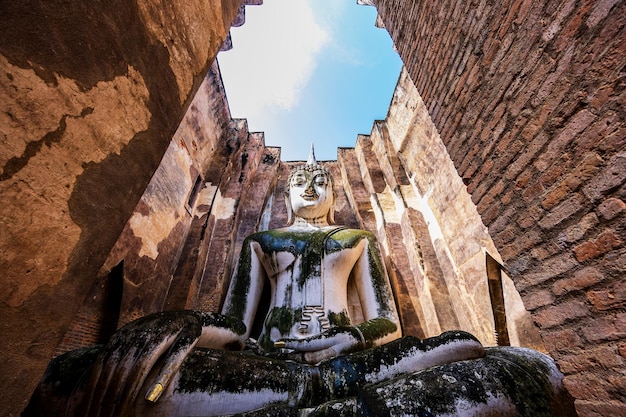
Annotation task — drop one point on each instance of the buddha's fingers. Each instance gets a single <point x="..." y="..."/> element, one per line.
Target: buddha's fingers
<point x="125" y="362"/>
<point x="125" y="372"/>
<point x="180" y="348"/>
<point x="123" y="365"/>
<point x="210" y="330"/>
<point x="319" y="355"/>
<point x="340" y="339"/>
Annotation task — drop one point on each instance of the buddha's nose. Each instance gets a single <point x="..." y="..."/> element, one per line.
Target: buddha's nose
<point x="309" y="191"/>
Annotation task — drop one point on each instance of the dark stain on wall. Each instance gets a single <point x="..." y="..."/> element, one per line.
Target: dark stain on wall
<point x="64" y="41"/>
<point x="15" y="164"/>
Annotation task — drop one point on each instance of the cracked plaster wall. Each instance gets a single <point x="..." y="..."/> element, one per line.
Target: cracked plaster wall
<point x="92" y="93"/>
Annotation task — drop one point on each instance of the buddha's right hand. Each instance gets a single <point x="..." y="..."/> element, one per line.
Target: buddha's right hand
<point x="332" y="342"/>
<point x="133" y="351"/>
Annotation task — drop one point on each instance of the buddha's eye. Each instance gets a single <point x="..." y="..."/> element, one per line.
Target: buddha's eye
<point x="298" y="180"/>
<point x="321" y="180"/>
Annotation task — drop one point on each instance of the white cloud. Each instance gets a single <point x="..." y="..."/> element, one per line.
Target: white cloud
<point x="273" y="57"/>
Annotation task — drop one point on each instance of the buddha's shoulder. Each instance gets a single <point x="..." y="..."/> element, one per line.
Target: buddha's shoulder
<point x="347" y="237"/>
<point x="342" y="235"/>
<point x="347" y="233"/>
<point x="278" y="234"/>
<point x="277" y="239"/>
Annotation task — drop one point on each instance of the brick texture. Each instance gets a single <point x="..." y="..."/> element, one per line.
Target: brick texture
<point x="533" y="118"/>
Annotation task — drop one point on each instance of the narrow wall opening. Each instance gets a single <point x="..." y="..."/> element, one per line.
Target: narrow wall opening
<point x="424" y="202"/>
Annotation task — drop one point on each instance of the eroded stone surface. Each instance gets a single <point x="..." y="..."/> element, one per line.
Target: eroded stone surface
<point x="90" y="102"/>
<point x="49" y="156"/>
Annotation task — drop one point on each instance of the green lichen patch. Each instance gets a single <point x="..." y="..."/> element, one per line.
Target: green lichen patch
<point x="339" y="319"/>
<point x="240" y="286"/>
<point x="309" y="246"/>
<point x="281" y="318"/>
<point x="376" y="329"/>
<point x="345" y="238"/>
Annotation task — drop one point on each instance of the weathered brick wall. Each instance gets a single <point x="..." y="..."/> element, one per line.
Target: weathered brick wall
<point x="157" y="234"/>
<point x="153" y="239"/>
<point x="91" y="95"/>
<point x="528" y="97"/>
<point x="212" y="274"/>
<point x="441" y="222"/>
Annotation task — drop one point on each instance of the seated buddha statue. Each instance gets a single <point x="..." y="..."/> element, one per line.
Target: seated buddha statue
<point x="311" y="357"/>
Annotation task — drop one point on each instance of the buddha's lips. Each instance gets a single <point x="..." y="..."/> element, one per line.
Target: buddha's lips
<point x="312" y="196"/>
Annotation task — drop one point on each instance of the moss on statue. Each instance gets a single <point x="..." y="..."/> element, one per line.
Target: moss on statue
<point x="339" y="319"/>
<point x="237" y="303"/>
<point x="508" y="381"/>
<point x="281" y="318"/>
<point x="207" y="370"/>
<point x="376" y="329"/>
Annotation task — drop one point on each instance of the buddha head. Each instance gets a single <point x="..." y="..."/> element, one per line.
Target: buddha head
<point x="309" y="194"/>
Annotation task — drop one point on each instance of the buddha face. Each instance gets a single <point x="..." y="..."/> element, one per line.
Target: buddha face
<point x="310" y="194"/>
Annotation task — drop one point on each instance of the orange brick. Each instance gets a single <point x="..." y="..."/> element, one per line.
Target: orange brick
<point x="582" y="279"/>
<point x="613" y="296"/>
<point x="561" y="313"/>
<point x="607" y="241"/>
<point x="561" y="340"/>
<point x="611" y="208"/>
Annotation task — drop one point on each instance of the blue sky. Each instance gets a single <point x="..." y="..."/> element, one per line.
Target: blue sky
<point x="307" y="71"/>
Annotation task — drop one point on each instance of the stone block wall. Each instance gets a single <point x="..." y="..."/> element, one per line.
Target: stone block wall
<point x="434" y="240"/>
<point x="528" y="97"/>
<point x="92" y="93"/>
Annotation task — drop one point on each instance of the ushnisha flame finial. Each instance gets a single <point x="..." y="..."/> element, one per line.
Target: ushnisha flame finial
<point x="311" y="164"/>
<point x="311" y="160"/>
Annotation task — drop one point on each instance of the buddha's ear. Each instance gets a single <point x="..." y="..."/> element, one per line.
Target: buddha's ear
<point x="290" y="218"/>
<point x="331" y="213"/>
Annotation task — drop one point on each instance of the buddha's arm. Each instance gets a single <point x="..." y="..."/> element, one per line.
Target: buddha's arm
<point x="246" y="285"/>
<point x="379" y="309"/>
